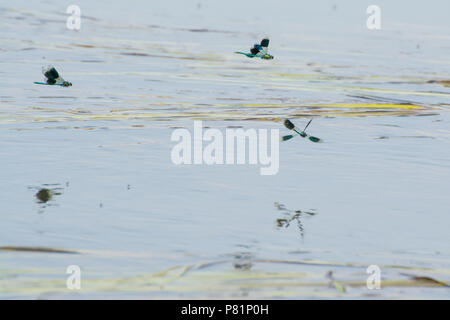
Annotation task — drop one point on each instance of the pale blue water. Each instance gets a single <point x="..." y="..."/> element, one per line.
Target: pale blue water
<point x="141" y="69"/>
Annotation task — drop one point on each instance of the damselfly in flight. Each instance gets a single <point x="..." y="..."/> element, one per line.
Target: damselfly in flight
<point x="53" y="77"/>
<point x="259" y="50"/>
<point x="288" y="124"/>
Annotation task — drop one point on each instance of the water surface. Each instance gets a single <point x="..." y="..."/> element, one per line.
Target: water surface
<point x="374" y="193"/>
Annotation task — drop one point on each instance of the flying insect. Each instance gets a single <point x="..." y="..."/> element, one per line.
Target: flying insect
<point x="259" y="50"/>
<point x="53" y="78"/>
<point x="288" y="124"/>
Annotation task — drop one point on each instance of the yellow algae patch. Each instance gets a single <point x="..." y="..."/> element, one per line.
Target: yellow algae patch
<point x="189" y="279"/>
<point x="445" y="83"/>
<point x="377" y="106"/>
<point x="363" y="106"/>
<point x="213" y="111"/>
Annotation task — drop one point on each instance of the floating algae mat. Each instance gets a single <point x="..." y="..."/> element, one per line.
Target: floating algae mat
<point x="263" y="112"/>
<point x="304" y="279"/>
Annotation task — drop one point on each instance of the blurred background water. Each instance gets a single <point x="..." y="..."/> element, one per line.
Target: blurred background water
<point x="375" y="192"/>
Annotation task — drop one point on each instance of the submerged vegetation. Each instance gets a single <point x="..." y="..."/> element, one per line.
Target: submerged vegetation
<point x="313" y="279"/>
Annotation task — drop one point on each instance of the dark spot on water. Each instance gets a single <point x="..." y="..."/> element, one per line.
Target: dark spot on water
<point x="426" y="281"/>
<point x="206" y="30"/>
<point x="231" y="99"/>
<point x="153" y="80"/>
<point x="83" y="45"/>
<point x="289" y="216"/>
<point x="82" y="111"/>
<point x="445" y="83"/>
<point x="389" y="125"/>
<point x="420" y="137"/>
<point x="37" y="249"/>
<point x="243" y="261"/>
<point x="427" y="114"/>
<point x="54" y="97"/>
<point x="138" y="54"/>
<point x="44" y="195"/>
